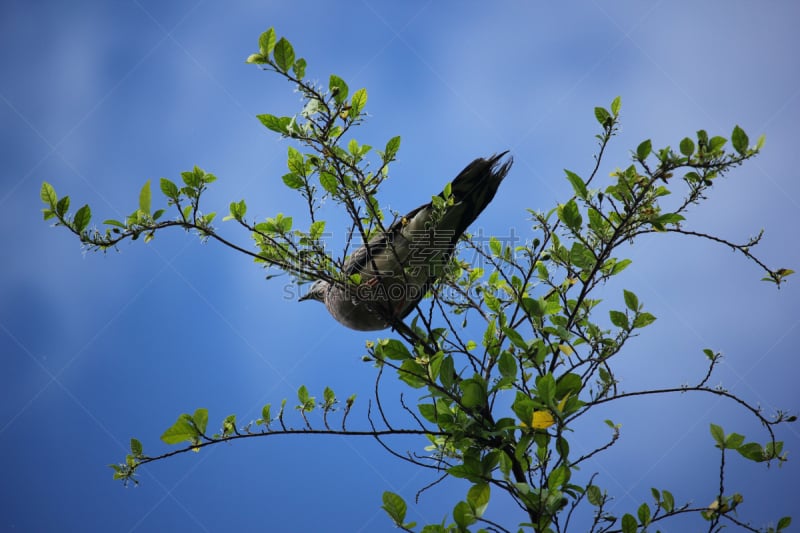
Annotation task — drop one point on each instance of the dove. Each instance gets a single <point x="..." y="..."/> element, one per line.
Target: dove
<point x="398" y="266"/>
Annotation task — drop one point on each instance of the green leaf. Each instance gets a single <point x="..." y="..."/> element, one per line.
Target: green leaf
<point x="473" y="393"/>
<point x="112" y="222"/>
<point x="462" y="514"/>
<point x="733" y="441"/>
<point x="667" y="501"/>
<point x="258" y="59"/>
<point x="299" y="68"/>
<point x="392" y="147"/>
<point x="602" y="116"/>
<point x="619" y="266"/>
<point x="581" y="256"/>
<point x="394" y="506"/>
<point x="740" y="140"/>
<point x="295" y="161"/>
<point x="644" y="149"/>
<point x="546" y="388"/>
<point x="631" y="301"/>
<point x="570" y="215"/>
<point x="668" y="218"/>
<point x="716" y="143"/>
<point x="169" y="189"/>
<point x="628" y="523"/>
<point x="357" y="102"/>
<point x="507" y="365"/>
<point x="182" y="430"/>
<point x="752" y="451"/>
<point x="687" y="147"/>
<point x="284" y="55"/>
<point x="447" y="372"/>
<point x="144" y="198"/>
<point x="302" y="394"/>
<point x="292" y="180"/>
<point x="136" y="447"/>
<point x="619" y="319"/>
<point x="760" y="142"/>
<point x="594" y="495"/>
<point x="577" y="184"/>
<point x="644" y="514"/>
<point x="393" y="349"/>
<point x="328" y="182"/>
<point x="338" y="89"/>
<point x="616" y="104"/>
<point x="642" y="320"/>
<point x="62" y="206"/>
<point x="719" y="435"/>
<point x="569" y="383"/>
<point x="478" y="498"/>
<point x="515" y="338"/>
<point x="317" y="228"/>
<point x="784" y="522"/>
<point x="82" y="218"/>
<point x="266" y="42"/>
<point x="200" y="419"/>
<point x="276" y="124"/>
<point x="229" y="425"/>
<point x="48" y="195"/>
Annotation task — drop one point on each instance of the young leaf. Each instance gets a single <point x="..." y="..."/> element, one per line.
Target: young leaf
<point x="338" y="88"/>
<point x="136" y="447"/>
<point x="358" y="102"/>
<point x="719" y="435"/>
<point x="577" y="184"/>
<point x="284" y="55"/>
<point x="62" y="206"/>
<point x="328" y="182"/>
<point x="393" y="349"/>
<point x="48" y="195"/>
<point x="299" y="68"/>
<point x="394" y="506"/>
<point x="687" y="147"/>
<point x="644" y="149"/>
<point x="392" y="146"/>
<point x="631" y="301"/>
<point x="667" y="501"/>
<point x="644" y="514"/>
<point x="266" y="42"/>
<point x="570" y="215"/>
<point x="619" y="319"/>
<point x="602" y="116"/>
<point x="507" y="365"/>
<point x="474" y="393"/>
<point x="169" y="189"/>
<point x="200" y="419"/>
<point x="594" y="495"/>
<point x="182" y="430"/>
<point x="740" y="140"/>
<point x="478" y="498"/>
<point x="616" y="104"/>
<point x="144" y="198"/>
<point x="276" y="124"/>
<point x="82" y="218"/>
<point x="643" y="319"/>
<point x="628" y="523"/>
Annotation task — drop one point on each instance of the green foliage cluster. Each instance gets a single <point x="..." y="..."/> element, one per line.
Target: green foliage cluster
<point x="546" y="348"/>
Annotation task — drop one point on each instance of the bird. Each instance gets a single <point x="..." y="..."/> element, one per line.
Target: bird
<point x="398" y="266"/>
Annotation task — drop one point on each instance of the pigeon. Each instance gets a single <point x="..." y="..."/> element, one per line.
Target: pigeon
<point x="398" y="266"/>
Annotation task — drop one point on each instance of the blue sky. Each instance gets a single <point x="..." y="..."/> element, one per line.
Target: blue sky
<point x="98" y="97"/>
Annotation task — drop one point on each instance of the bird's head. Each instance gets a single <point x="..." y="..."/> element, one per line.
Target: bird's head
<point x="317" y="291"/>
